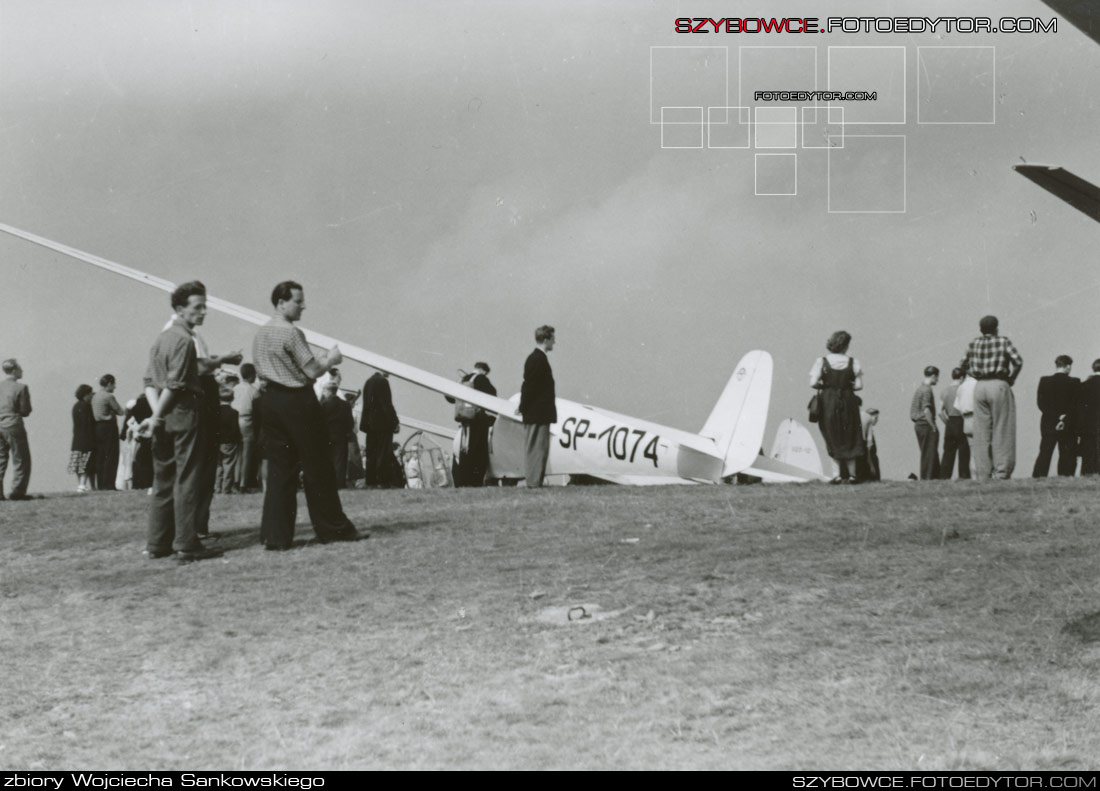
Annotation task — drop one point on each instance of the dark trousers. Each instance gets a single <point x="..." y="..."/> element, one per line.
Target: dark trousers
<point x="1067" y="454"/>
<point x="477" y="455"/>
<point x="928" y="439"/>
<point x="338" y="447"/>
<point x="209" y="461"/>
<point x="867" y="466"/>
<point x="106" y="454"/>
<point x="538" y="450"/>
<point x="173" y="515"/>
<point x="376" y="468"/>
<point x="143" y="464"/>
<point x="1090" y="453"/>
<point x="954" y="441"/>
<point x="229" y="460"/>
<point x="295" y="436"/>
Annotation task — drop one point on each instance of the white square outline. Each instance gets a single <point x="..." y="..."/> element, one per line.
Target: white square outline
<point x="747" y="123"/>
<point x="756" y="187"/>
<point x="904" y="80"/>
<point x="904" y="183"/>
<point x="828" y="114"/>
<point x="682" y="123"/>
<point x="994" y="96"/>
<point x="725" y="50"/>
<point x="757" y="123"/>
<point x="740" y="69"/>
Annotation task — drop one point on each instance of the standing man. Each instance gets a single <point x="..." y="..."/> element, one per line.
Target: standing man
<point x="994" y="362"/>
<point x="379" y="423"/>
<point x="1088" y="421"/>
<point x="1057" y="397"/>
<point x="339" y="423"/>
<point x="954" y="436"/>
<point x="173" y="390"/>
<point x="244" y="394"/>
<point x="537" y="405"/>
<point x="922" y="412"/>
<point x="105" y="409"/>
<point x="15" y="404"/>
<point x="294" y="428"/>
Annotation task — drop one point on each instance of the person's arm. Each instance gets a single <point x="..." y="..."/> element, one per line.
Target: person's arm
<point x="24" y="405"/>
<point x="214" y="362"/>
<point x="1016" y="362"/>
<point x="315" y="368"/>
<point x="930" y="415"/>
<point x="115" y="407"/>
<point x="815" y="373"/>
<point x="180" y="358"/>
<point x="857" y="384"/>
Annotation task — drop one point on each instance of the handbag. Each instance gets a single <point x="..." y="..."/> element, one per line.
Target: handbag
<point x="814" y="408"/>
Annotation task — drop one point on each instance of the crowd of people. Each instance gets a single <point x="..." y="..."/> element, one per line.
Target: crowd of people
<point x="280" y="423"/>
<point x="978" y="411"/>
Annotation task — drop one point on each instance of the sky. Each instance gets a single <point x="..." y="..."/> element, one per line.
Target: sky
<point x="443" y="177"/>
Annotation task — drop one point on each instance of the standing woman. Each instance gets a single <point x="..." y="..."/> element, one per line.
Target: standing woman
<point x="105" y="409"/>
<point x="83" y="439"/>
<point x="837" y="377"/>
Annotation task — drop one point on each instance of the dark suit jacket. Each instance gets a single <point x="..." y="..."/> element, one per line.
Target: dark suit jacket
<point x="338" y="418"/>
<point x="536" y="400"/>
<point x="1057" y="396"/>
<point x="378" y="412"/>
<point x="1088" y="406"/>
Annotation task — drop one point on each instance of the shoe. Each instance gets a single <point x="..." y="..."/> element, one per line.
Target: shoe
<point x="278" y="547"/>
<point x="199" y="554"/>
<point x="157" y="554"/>
<point x="25" y="497"/>
<point x="348" y="534"/>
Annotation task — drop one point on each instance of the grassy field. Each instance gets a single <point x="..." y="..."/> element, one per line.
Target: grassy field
<point x="902" y="625"/>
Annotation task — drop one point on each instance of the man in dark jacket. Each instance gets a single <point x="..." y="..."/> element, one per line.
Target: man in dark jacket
<point x="537" y="406"/>
<point x="1088" y="421"/>
<point x="1058" y="402"/>
<point x="379" y="423"/>
<point x="340" y="423"/>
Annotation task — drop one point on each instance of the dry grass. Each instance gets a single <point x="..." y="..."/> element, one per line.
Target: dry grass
<point x="938" y="626"/>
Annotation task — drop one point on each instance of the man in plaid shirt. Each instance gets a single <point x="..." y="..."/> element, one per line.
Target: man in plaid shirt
<point x="995" y="363"/>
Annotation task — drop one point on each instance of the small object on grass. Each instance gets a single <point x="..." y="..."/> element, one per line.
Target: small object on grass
<point x="629" y="540"/>
<point x="536" y="594"/>
<point x="583" y="613"/>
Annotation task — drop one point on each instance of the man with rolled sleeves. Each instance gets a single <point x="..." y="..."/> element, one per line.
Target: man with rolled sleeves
<point x="173" y="390"/>
<point x="294" y="427"/>
<point x="537" y="405"/>
<point x="994" y="362"/>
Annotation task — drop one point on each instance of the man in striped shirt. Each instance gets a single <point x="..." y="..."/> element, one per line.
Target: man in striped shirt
<point x="294" y="427"/>
<point x="995" y="363"/>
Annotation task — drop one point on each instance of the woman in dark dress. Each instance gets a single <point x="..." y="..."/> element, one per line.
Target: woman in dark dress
<point x="80" y="454"/>
<point x="837" y="377"/>
<point x="142" y="469"/>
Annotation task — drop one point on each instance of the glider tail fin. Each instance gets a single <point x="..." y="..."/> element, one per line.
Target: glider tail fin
<point x="736" y="424"/>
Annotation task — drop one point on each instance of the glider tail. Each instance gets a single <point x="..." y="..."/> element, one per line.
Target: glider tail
<point x="736" y="424"/>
